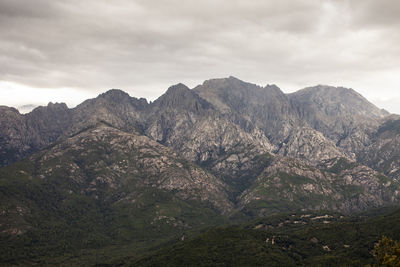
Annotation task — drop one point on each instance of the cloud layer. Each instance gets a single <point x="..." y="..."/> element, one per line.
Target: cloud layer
<point x="144" y="46"/>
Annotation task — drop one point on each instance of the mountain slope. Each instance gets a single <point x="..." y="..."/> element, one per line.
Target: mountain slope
<point x="278" y="116"/>
<point x="24" y="134"/>
<point x="291" y="184"/>
<point x="341" y="114"/>
<point x="104" y="185"/>
<point x="383" y="154"/>
<point x="251" y="106"/>
<point x="193" y="127"/>
<point x="303" y="239"/>
<point x="310" y="145"/>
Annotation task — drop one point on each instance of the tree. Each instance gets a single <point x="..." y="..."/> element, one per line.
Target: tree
<point x="387" y="252"/>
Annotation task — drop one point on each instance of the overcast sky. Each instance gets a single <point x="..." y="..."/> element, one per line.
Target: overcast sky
<point x="70" y="50"/>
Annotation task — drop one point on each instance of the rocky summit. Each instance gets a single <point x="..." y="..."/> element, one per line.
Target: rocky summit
<point x="117" y="170"/>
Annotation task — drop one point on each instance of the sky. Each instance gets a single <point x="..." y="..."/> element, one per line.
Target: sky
<point x="71" y="50"/>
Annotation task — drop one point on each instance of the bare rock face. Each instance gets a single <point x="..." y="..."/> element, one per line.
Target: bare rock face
<point x="383" y="154"/>
<point x="114" y="107"/>
<point x="249" y="105"/>
<point x="12" y="143"/>
<point x="21" y="135"/>
<point x="193" y="127"/>
<point x="341" y="114"/>
<point x="308" y="144"/>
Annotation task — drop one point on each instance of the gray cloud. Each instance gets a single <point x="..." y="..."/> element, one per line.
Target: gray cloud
<point x="383" y="13"/>
<point x="144" y="46"/>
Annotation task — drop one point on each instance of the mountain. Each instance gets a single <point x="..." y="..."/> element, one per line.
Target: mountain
<point x="118" y="173"/>
<point x="23" y="134"/>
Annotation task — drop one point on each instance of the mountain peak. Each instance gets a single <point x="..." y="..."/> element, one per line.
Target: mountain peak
<point x="341" y="114"/>
<point x="230" y="82"/>
<point x="324" y="89"/>
<point x="180" y="96"/>
<point x="237" y="86"/>
<point x="57" y="105"/>
<point x="117" y="97"/>
<point x="177" y="91"/>
<point x="337" y="101"/>
<point x="177" y="88"/>
<point x="51" y="107"/>
<point x="115" y="94"/>
<point x="5" y="109"/>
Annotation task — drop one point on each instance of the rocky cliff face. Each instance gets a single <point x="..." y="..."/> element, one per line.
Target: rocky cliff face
<point x="114" y="107"/>
<point x="341" y="114"/>
<point x="193" y="127"/>
<point x="21" y="135"/>
<point x="251" y="106"/>
<point x="308" y="144"/>
<point x="383" y="154"/>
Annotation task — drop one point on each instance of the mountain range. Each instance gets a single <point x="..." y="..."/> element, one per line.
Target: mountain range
<point x="118" y="170"/>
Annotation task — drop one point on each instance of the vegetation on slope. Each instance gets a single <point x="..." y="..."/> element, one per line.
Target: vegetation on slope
<point x="308" y="239"/>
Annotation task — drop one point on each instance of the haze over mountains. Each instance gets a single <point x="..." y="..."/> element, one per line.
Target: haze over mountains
<point x="120" y="168"/>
